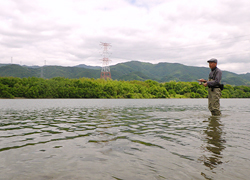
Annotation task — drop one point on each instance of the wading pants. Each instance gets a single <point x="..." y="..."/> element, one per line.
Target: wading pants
<point x="214" y="101"/>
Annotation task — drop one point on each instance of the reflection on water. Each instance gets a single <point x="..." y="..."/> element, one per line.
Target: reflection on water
<point x="214" y="143"/>
<point x="140" y="139"/>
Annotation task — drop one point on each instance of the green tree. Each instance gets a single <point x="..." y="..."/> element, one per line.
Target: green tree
<point x="4" y="91"/>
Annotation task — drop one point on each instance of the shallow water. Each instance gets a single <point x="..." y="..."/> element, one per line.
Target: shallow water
<point x="123" y="139"/>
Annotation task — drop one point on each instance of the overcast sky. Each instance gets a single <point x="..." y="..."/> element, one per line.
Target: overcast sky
<point x="69" y="32"/>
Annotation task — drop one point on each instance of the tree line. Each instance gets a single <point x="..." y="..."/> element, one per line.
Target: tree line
<point x="59" y="87"/>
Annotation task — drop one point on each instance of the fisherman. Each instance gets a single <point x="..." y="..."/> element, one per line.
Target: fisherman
<point x="214" y="87"/>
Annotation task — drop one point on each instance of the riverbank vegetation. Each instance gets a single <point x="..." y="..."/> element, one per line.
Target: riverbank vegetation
<point x="32" y="87"/>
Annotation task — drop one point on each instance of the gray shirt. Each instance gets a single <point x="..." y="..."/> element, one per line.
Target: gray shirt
<point x="214" y="77"/>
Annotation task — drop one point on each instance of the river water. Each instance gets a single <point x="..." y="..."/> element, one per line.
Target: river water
<point x="123" y="139"/>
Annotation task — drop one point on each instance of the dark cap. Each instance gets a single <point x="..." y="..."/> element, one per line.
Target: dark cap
<point x="212" y="60"/>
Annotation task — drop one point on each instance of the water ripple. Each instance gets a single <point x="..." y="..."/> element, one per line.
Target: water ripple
<point x="161" y="141"/>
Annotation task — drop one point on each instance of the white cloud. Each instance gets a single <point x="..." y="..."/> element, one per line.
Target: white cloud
<point x="68" y="32"/>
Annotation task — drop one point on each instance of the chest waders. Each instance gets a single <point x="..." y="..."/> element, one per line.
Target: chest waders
<point x="214" y="94"/>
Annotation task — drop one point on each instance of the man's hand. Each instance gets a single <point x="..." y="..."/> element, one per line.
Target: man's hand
<point x="202" y="80"/>
<point x="205" y="84"/>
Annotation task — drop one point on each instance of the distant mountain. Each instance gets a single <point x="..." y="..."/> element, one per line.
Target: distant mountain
<point x="17" y="71"/>
<point x="133" y="70"/>
<point x="245" y="76"/>
<point x="4" y="65"/>
<point x="164" y="72"/>
<point x="88" y="67"/>
<point x="34" y="66"/>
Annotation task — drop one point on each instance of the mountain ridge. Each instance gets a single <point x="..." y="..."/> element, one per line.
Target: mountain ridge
<point x="132" y="70"/>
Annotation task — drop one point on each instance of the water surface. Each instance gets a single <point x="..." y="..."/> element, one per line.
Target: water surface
<point x="123" y="139"/>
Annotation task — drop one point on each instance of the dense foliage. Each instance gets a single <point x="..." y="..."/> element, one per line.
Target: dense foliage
<point x="32" y="87"/>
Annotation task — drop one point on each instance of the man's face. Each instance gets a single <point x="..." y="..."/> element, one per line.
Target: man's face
<point x="212" y="65"/>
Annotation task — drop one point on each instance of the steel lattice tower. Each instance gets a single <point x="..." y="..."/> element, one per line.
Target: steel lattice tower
<point x="105" y="72"/>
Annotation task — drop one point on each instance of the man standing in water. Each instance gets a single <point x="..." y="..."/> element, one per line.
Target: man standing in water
<point x="214" y="87"/>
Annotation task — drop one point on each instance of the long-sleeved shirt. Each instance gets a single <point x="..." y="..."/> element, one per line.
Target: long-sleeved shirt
<point x="214" y="77"/>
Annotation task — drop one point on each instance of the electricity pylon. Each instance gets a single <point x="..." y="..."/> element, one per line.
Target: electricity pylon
<point x="105" y="72"/>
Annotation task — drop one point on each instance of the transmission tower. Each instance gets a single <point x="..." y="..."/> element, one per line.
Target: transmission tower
<point x="105" y="72"/>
